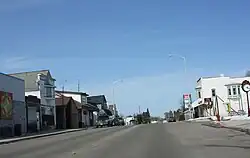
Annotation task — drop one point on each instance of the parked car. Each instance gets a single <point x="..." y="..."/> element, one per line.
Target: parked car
<point x="102" y="121"/>
<point x="171" y="119"/>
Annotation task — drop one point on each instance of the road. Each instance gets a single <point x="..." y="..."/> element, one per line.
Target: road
<point x="177" y="140"/>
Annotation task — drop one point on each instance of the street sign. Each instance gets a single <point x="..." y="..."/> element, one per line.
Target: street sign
<point x="245" y="85"/>
<point x="187" y="100"/>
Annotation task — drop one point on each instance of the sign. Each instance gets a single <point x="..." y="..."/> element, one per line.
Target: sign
<point x="187" y="100"/>
<point x="208" y="102"/>
<point x="6" y="105"/>
<point x="245" y="85"/>
<point x="228" y="107"/>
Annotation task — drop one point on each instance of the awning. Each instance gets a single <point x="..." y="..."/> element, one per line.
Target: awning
<point x="195" y="103"/>
<point x="105" y="112"/>
<point x="90" y="107"/>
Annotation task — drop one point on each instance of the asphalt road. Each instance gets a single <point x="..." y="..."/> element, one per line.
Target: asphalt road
<point x="177" y="140"/>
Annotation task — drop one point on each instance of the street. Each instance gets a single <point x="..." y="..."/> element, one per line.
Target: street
<point x="176" y="140"/>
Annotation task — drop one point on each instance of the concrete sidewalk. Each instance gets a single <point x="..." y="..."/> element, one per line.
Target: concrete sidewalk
<point x="238" y="125"/>
<point x="16" y="139"/>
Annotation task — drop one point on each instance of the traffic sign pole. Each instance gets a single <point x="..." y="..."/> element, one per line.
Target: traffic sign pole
<point x="248" y="108"/>
<point x="246" y="88"/>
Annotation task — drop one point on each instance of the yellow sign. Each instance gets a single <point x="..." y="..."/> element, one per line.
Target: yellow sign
<point x="228" y="107"/>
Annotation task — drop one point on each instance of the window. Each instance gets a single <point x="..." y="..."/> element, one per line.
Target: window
<point x="229" y="91"/>
<point x="199" y="94"/>
<point x="213" y="93"/>
<point x="239" y="90"/>
<point x="234" y="90"/>
<point x="84" y="99"/>
<point x="49" y="92"/>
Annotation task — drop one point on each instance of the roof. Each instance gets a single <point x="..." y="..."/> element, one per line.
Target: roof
<point x="91" y="107"/>
<point x="233" y="84"/>
<point x="72" y="92"/>
<point x="99" y="99"/>
<point x="63" y="101"/>
<point x="30" y="78"/>
<point x="11" y="76"/>
<point x="78" y="104"/>
<point x="105" y="112"/>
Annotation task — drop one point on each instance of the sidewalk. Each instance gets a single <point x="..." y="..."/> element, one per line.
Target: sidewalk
<point x="238" y="125"/>
<point x="36" y="135"/>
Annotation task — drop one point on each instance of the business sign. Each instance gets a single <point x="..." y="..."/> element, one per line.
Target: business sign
<point x="6" y="104"/>
<point x="187" y="100"/>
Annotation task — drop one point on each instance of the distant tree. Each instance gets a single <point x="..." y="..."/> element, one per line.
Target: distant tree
<point x="148" y="113"/>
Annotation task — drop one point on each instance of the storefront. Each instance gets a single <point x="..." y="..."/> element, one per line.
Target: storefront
<point x="12" y="106"/>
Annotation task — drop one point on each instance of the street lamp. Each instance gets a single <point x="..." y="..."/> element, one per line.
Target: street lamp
<point x="114" y="83"/>
<point x="185" y="67"/>
<point x="181" y="57"/>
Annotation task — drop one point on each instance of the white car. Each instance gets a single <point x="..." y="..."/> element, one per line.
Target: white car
<point x="165" y="121"/>
<point x="154" y="122"/>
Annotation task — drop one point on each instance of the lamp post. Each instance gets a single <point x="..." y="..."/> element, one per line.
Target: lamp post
<point x="185" y="68"/>
<point x="114" y="83"/>
<point x="181" y="57"/>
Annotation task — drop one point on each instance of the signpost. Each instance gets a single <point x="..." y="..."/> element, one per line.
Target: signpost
<point x="187" y="103"/>
<point x="246" y="88"/>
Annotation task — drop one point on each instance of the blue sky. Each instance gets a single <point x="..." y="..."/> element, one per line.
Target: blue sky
<point x="98" y="42"/>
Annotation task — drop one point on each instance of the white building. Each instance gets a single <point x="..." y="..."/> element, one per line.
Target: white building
<point x="12" y="86"/>
<point x="231" y="99"/>
<point x="42" y="85"/>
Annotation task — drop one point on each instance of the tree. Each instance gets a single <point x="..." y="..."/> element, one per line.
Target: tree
<point x="148" y="113"/>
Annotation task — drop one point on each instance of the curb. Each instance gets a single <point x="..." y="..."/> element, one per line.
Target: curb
<point x="215" y="125"/>
<point x="38" y="136"/>
<point x="218" y="125"/>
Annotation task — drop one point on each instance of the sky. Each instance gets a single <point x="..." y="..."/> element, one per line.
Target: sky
<point x="99" y="42"/>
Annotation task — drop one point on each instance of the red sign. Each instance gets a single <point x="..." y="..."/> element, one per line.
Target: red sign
<point x="6" y="105"/>
<point x="186" y="96"/>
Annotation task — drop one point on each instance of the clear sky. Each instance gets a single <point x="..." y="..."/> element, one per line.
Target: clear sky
<point x="101" y="41"/>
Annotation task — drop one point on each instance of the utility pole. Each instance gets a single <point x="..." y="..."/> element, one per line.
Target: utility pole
<point x="78" y="86"/>
<point x="139" y="109"/>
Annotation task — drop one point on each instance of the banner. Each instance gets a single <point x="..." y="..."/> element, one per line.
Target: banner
<point x="6" y="105"/>
<point x="187" y="100"/>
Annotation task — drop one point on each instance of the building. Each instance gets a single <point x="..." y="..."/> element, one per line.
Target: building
<point x="42" y="85"/>
<point x="223" y="94"/>
<point x="113" y="109"/>
<point x="100" y="102"/>
<point x="33" y="106"/>
<point x="12" y="106"/>
<point x="86" y="110"/>
<point x="67" y="112"/>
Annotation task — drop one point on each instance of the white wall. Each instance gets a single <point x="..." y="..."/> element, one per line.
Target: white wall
<point x="235" y="102"/>
<point x="76" y="97"/>
<point x="13" y="85"/>
<point x="219" y="84"/>
<point x="33" y="93"/>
